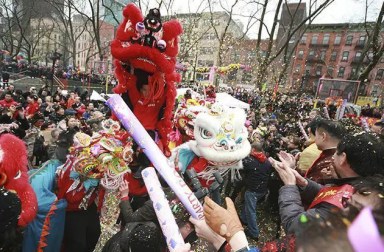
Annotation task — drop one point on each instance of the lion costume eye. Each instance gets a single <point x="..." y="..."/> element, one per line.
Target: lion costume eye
<point x="18" y="175"/>
<point x="205" y="134"/>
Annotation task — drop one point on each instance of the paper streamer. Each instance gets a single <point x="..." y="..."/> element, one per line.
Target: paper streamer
<point x="364" y="123"/>
<point x="363" y="233"/>
<point x="303" y="131"/>
<point x="326" y="112"/>
<point x="142" y="138"/>
<point x="163" y="211"/>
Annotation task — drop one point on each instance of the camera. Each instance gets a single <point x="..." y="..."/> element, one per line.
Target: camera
<point x="19" y="107"/>
<point x="199" y="191"/>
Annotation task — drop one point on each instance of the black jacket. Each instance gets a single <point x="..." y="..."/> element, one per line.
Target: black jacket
<point x="256" y="174"/>
<point x="23" y="125"/>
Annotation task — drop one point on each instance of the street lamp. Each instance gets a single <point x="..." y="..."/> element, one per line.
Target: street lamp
<point x="55" y="56"/>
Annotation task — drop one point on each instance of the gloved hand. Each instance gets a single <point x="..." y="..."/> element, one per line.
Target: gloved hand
<point x="223" y="221"/>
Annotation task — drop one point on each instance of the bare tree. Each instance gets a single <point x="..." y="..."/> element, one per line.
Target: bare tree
<point x="11" y="34"/>
<point x="272" y="53"/>
<point x="69" y="28"/>
<point x="94" y="20"/>
<point x="373" y="47"/>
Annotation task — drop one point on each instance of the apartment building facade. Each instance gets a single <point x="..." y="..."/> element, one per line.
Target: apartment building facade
<point x="335" y="51"/>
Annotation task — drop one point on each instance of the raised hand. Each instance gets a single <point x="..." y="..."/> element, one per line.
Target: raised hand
<point x="223" y="221"/>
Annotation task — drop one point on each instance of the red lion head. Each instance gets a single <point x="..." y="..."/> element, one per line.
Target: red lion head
<point x="14" y="177"/>
<point x="146" y="43"/>
<point x="145" y="50"/>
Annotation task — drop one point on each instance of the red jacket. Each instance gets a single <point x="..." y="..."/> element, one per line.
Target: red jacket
<point x="31" y="109"/>
<point x="6" y="104"/>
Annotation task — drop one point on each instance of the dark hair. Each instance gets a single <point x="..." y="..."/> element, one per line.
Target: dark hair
<point x="365" y="153"/>
<point x="8" y="93"/>
<point x="10" y="208"/>
<point x="379" y="123"/>
<point x="324" y="235"/>
<point x="142" y="237"/>
<point x="333" y="128"/>
<point x="34" y="97"/>
<point x="312" y="125"/>
<point x="257" y="146"/>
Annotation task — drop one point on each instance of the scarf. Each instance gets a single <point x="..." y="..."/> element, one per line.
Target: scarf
<point x="259" y="156"/>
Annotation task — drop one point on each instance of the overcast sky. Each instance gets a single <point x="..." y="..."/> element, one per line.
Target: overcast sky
<point x="340" y="11"/>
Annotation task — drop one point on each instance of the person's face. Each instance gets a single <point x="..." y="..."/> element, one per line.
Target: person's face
<point x="73" y="122"/>
<point x="91" y="107"/>
<point x="339" y="161"/>
<point x="11" y="87"/>
<point x="319" y="139"/>
<point x="8" y="97"/>
<point x="29" y="99"/>
<point x="39" y="101"/>
<point x="77" y="99"/>
<point x="291" y="145"/>
<point x="60" y="111"/>
<point x="250" y="129"/>
<point x="145" y="90"/>
<point x="312" y="115"/>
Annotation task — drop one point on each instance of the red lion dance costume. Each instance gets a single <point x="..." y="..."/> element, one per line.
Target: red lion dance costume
<point x="145" y="51"/>
<point x="13" y="175"/>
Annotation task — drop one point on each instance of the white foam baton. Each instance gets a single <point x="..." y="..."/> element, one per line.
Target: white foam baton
<point x="156" y="156"/>
<point x="163" y="211"/>
<point x="326" y="112"/>
<point x="364" y="123"/>
<point x="303" y="131"/>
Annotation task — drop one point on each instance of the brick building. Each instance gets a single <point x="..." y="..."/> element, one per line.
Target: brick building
<point x="334" y="51"/>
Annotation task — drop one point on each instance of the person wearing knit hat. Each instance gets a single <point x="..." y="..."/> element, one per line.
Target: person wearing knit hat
<point x="10" y="209"/>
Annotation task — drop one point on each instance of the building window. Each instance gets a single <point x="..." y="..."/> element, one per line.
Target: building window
<point x="314" y="40"/>
<point x="340" y="74"/>
<point x="353" y="71"/>
<point x="326" y="39"/>
<point x="307" y="70"/>
<point x="311" y="53"/>
<point x="330" y="71"/>
<point x="322" y="54"/>
<point x="333" y="56"/>
<point x="337" y="39"/>
<point x="319" y="70"/>
<point x="370" y="56"/>
<point x="301" y="54"/>
<point x="303" y="39"/>
<point x="380" y="74"/>
<point x="358" y="55"/>
<point x="361" y="41"/>
<point x="345" y="56"/>
<point x="349" y="40"/>
<point x="292" y="40"/>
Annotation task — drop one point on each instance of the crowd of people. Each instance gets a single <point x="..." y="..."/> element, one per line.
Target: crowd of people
<point x="316" y="182"/>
